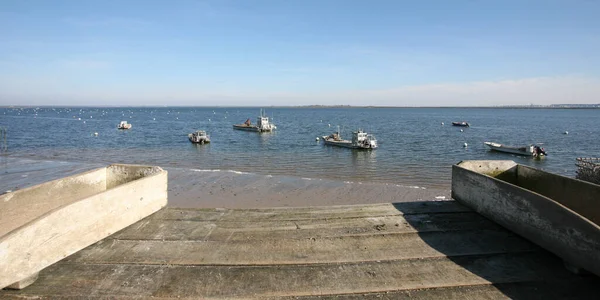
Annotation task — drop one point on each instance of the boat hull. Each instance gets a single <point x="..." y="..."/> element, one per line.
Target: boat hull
<point x="558" y="213"/>
<point x="250" y="128"/>
<point x="201" y="142"/>
<point x="508" y="149"/>
<point x="345" y="144"/>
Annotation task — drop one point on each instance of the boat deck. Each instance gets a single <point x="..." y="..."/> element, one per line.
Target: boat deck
<point x="417" y="250"/>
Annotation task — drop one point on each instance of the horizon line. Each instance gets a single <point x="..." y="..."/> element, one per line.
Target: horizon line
<point x="575" y="105"/>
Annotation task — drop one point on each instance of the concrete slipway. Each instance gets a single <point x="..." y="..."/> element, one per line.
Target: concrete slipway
<point x="417" y="250"/>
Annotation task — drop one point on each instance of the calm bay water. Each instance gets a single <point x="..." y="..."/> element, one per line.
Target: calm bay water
<point x="415" y="148"/>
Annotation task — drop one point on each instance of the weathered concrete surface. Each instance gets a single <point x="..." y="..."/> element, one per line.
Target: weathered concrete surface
<point x="518" y="198"/>
<point x="21" y="207"/>
<point x="41" y="225"/>
<point x="419" y="250"/>
<point x="23" y="283"/>
<point x="580" y="196"/>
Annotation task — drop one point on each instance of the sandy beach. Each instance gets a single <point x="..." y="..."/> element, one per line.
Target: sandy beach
<point x="191" y="188"/>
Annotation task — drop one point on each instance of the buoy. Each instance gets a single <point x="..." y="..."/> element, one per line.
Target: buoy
<point x="461" y="130"/>
<point x="78" y="119"/>
<point x="329" y="125"/>
<point x="442" y="123"/>
<point x="83" y="122"/>
<point x="209" y="120"/>
<point x="95" y="134"/>
<point x="566" y="132"/>
<point x="465" y="145"/>
<point x="317" y="139"/>
<point x="153" y="119"/>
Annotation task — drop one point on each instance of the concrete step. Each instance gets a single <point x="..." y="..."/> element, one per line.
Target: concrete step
<point x="190" y="281"/>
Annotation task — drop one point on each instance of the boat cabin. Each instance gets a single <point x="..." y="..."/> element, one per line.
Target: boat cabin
<point x="200" y="136"/>
<point x="358" y="137"/>
<point x="263" y="122"/>
<point x="362" y="138"/>
<point x="124" y="125"/>
<point x="199" y="133"/>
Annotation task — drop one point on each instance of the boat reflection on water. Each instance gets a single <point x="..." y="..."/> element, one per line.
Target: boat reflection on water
<point x="364" y="163"/>
<point x="201" y="148"/>
<point x="265" y="139"/>
<point x="364" y="157"/>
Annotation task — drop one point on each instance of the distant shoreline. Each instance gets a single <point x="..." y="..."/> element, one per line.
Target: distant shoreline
<point x="552" y="106"/>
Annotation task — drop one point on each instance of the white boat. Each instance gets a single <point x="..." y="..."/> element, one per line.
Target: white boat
<point x="199" y="137"/>
<point x="262" y="124"/>
<point x="360" y="140"/>
<point x="530" y="150"/>
<point x="123" y="125"/>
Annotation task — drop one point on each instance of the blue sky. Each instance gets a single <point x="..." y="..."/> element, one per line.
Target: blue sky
<point x="402" y="53"/>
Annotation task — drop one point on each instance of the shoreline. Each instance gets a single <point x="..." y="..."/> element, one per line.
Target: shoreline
<point x="193" y="188"/>
<point x="524" y="106"/>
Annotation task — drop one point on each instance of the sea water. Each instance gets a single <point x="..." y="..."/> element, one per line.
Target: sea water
<point x="417" y="146"/>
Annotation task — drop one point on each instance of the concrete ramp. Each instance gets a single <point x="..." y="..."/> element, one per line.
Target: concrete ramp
<point x="419" y="250"/>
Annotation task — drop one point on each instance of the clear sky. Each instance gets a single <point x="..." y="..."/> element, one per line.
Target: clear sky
<point x="299" y="52"/>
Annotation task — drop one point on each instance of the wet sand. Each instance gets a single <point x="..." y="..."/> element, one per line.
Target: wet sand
<point x="189" y="188"/>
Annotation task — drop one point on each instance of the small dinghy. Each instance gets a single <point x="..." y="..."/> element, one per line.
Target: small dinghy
<point x="531" y="150"/>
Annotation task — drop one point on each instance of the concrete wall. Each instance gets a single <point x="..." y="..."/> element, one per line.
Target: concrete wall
<point x="580" y="196"/>
<point x="534" y="216"/>
<point x="69" y="228"/>
<point x="20" y="207"/>
<point x="118" y="174"/>
<point x="505" y="170"/>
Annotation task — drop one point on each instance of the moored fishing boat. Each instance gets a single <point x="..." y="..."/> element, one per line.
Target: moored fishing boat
<point x="360" y="140"/>
<point x="531" y="150"/>
<point x="199" y="137"/>
<point x="123" y="125"/>
<point x="262" y="124"/>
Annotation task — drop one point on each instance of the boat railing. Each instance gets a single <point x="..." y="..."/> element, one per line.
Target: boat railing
<point x="588" y="169"/>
